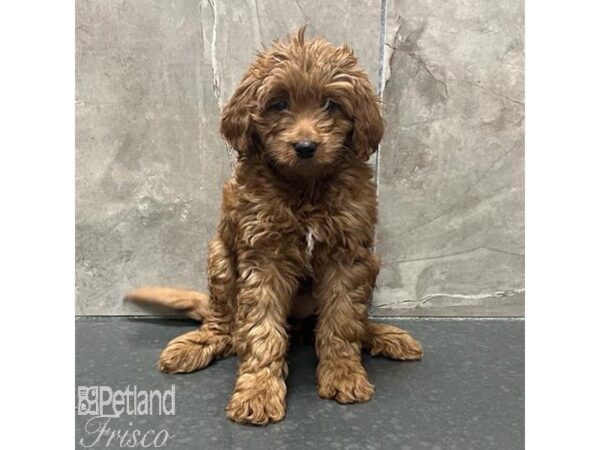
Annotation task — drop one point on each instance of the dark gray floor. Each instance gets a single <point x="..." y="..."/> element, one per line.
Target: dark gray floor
<point x="467" y="392"/>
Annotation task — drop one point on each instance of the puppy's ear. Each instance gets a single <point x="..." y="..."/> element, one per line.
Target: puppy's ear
<point x="368" y="122"/>
<point x="236" y="118"/>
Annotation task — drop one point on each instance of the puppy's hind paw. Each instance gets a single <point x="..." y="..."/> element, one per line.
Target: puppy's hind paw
<point x="192" y="351"/>
<point x="392" y="342"/>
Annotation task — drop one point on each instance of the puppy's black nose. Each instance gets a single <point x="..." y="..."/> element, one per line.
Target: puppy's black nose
<point x="305" y="149"/>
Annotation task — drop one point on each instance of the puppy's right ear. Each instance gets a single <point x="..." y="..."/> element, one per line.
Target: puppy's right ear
<point x="236" y="119"/>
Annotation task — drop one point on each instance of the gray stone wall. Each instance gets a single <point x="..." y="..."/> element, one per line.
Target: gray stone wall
<point x="151" y="76"/>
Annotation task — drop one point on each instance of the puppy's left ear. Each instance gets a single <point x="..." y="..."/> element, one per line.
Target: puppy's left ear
<point x="368" y="122"/>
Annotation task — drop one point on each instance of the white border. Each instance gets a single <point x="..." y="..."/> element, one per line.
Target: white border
<point x="562" y="225"/>
<point x="37" y="238"/>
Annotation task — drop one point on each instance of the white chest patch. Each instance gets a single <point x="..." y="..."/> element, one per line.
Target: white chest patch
<point x="310" y="242"/>
<point x="311" y="237"/>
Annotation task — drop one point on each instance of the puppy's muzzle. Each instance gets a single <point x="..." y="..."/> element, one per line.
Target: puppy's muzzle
<point x="305" y="149"/>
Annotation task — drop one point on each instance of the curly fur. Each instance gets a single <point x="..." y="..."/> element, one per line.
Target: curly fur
<point x="295" y="235"/>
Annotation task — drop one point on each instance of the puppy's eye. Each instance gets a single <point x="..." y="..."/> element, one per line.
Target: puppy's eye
<point x="329" y="105"/>
<point x="280" y="105"/>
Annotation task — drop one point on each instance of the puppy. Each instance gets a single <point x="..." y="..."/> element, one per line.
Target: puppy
<point x="295" y="233"/>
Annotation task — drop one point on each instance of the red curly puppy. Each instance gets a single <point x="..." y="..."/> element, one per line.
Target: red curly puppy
<point x="296" y="232"/>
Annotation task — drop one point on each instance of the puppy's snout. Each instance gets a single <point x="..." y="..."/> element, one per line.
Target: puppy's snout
<point x="305" y="148"/>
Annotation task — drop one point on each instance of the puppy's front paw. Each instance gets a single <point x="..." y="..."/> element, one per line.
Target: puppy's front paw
<point x="344" y="382"/>
<point x="257" y="400"/>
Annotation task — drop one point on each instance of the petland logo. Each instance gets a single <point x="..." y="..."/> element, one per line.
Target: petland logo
<point x="106" y="405"/>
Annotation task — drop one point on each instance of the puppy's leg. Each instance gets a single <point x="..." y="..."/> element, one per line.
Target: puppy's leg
<point x="391" y="342"/>
<point x="261" y="340"/>
<point x="196" y="349"/>
<point x="343" y="288"/>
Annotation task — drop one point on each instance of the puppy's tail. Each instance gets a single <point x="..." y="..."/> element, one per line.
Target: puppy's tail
<point x="191" y="303"/>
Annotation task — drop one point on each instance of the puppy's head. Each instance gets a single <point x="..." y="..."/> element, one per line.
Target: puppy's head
<point x="303" y="107"/>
